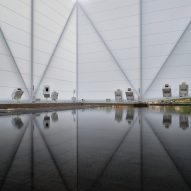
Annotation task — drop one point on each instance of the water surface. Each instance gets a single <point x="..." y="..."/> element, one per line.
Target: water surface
<point x="97" y="150"/>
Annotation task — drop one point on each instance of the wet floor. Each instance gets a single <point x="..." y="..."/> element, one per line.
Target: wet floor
<point x="123" y="149"/>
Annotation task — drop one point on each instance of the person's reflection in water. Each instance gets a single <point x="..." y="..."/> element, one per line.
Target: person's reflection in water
<point x="46" y="122"/>
<point x="74" y="115"/>
<point x="54" y="117"/>
<point x="130" y="115"/>
<point x="167" y="120"/>
<point x="17" y="122"/>
<point x="183" y="121"/>
<point x="118" y="114"/>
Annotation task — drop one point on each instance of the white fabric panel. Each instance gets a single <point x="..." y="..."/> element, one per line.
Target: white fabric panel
<point x="9" y="77"/>
<point x="163" y="23"/>
<point x="114" y="22"/>
<point x="118" y="22"/>
<point x="50" y="19"/>
<point x="98" y="74"/>
<point x="15" y="23"/>
<point x="61" y="74"/>
<point x="176" y="70"/>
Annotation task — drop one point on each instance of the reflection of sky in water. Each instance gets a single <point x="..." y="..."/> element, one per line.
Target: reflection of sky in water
<point x="96" y="149"/>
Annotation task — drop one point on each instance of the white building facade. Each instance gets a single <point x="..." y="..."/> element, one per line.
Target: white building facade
<point x="94" y="47"/>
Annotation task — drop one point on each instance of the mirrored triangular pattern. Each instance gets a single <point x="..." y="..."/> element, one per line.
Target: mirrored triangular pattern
<point x="65" y="153"/>
<point x="95" y="157"/>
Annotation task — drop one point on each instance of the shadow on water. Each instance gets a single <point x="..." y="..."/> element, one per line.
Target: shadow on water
<point x="102" y="149"/>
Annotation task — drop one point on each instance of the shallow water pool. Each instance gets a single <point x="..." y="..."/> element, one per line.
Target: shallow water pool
<point x="102" y="149"/>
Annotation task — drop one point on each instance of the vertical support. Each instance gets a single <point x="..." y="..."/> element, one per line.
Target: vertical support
<point x="77" y="85"/>
<point x="77" y="148"/>
<point x="141" y="151"/>
<point x="141" y="62"/>
<point x="32" y="50"/>
<point x="77" y="50"/>
<point x="32" y="153"/>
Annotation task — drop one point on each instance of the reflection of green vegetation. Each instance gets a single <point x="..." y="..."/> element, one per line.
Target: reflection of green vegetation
<point x="177" y="109"/>
<point x="183" y="109"/>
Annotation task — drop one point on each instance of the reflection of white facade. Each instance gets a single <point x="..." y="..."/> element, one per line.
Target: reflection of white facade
<point x="95" y="49"/>
<point x="130" y="115"/>
<point x="184" y="122"/>
<point x="54" y="116"/>
<point x="167" y="120"/>
<point x="46" y="121"/>
<point x="17" y="122"/>
<point x="118" y="114"/>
